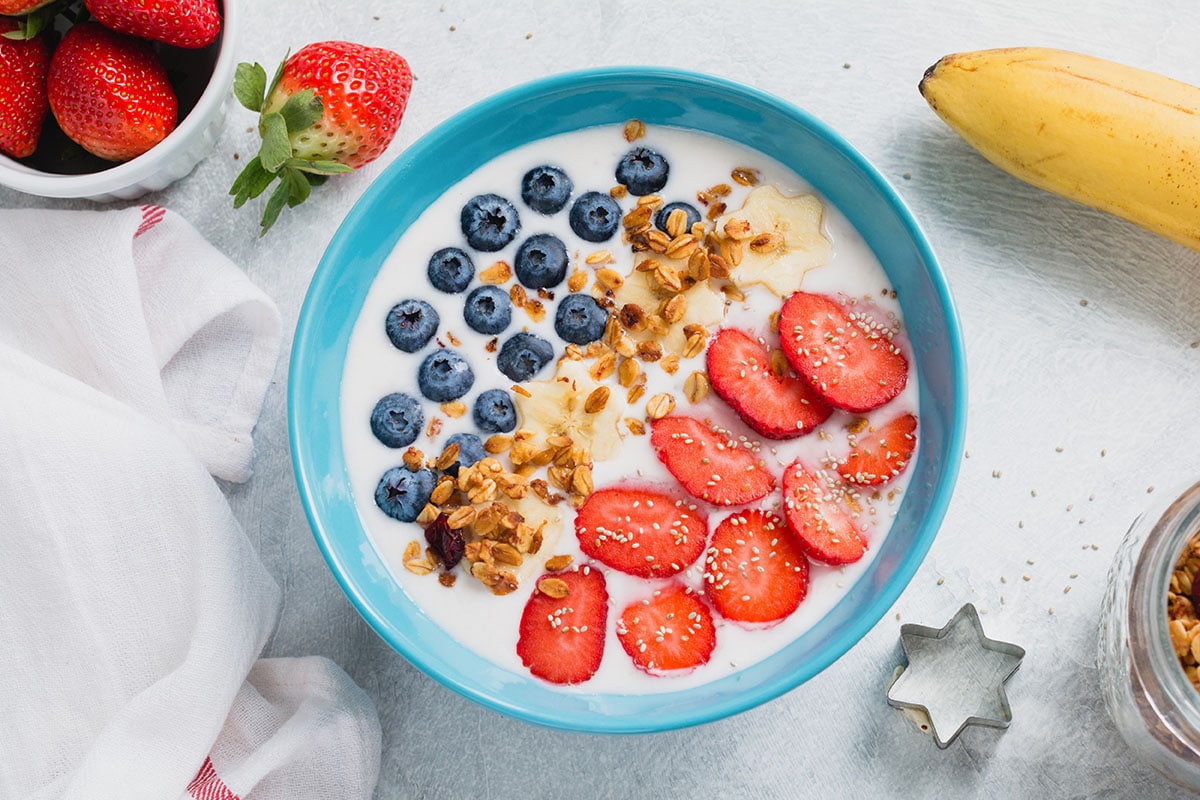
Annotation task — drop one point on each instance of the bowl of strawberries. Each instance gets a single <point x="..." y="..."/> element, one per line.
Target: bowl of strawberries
<point x="106" y="99"/>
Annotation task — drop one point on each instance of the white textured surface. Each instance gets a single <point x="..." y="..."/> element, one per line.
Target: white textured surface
<point x="1112" y="382"/>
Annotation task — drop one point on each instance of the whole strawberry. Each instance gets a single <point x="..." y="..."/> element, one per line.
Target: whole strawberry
<point x="23" y="66"/>
<point x="182" y="23"/>
<point x="16" y="7"/>
<point x="110" y="93"/>
<point x="332" y="107"/>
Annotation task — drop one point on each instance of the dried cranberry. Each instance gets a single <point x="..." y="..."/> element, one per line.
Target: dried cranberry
<point x="448" y="545"/>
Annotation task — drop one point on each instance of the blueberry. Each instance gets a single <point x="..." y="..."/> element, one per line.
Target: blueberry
<point x="660" y="219"/>
<point x="411" y="324"/>
<point x="487" y="310"/>
<point x="643" y="171"/>
<point x="546" y="189"/>
<point x="402" y="494"/>
<point x="494" y="412"/>
<point x="489" y="222"/>
<point x="450" y="270"/>
<point x="579" y="319"/>
<point x="541" y="261"/>
<point x="470" y="449"/>
<point x="595" y="217"/>
<point x="444" y="375"/>
<point x="523" y="355"/>
<point x="397" y="420"/>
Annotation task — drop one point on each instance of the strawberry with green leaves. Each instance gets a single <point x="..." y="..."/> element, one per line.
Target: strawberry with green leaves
<point x="332" y="107"/>
<point x="190" y="24"/>
<point x="23" y="103"/>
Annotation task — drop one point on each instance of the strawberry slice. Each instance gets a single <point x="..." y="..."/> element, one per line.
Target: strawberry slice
<point x="672" y="630"/>
<point x="641" y="532"/>
<point x="710" y="463"/>
<point x="777" y="406"/>
<point x="755" y="570"/>
<point x="824" y="528"/>
<point x="879" y="454"/>
<point x="563" y="626"/>
<point x="844" y="353"/>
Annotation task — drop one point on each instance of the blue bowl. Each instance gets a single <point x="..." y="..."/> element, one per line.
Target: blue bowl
<point x="556" y="105"/>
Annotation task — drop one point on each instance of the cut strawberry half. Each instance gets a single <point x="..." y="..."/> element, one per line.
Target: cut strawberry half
<point x="822" y="525"/>
<point x="777" y="406"/>
<point x="710" y="464"/>
<point x="669" y="631"/>
<point x="642" y="532"/>
<point x="755" y="570"/>
<point x="879" y="454"/>
<point x="844" y="353"/>
<point x="563" y="626"/>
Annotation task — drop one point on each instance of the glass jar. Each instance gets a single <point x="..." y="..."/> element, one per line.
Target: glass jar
<point x="1148" y="694"/>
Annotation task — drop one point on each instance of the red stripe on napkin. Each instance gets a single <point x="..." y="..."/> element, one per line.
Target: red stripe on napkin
<point x="151" y="216"/>
<point x="207" y="786"/>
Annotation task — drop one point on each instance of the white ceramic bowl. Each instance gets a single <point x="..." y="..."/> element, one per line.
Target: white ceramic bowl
<point x="169" y="160"/>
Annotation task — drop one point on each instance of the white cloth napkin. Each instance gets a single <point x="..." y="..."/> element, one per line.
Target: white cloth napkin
<point x="134" y="359"/>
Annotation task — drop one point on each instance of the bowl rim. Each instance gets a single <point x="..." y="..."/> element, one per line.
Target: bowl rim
<point x="133" y="172"/>
<point x="309" y="477"/>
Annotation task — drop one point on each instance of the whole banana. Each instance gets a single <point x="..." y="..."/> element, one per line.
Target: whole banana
<point x="1113" y="137"/>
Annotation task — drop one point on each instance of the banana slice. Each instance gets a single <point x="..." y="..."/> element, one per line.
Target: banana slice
<point x="556" y="408"/>
<point x="704" y="305"/>
<point x="784" y="240"/>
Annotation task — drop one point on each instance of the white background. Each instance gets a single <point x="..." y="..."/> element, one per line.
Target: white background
<point x="1083" y="375"/>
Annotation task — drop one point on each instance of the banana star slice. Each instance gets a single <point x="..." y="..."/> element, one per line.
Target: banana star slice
<point x="704" y="304"/>
<point x="555" y="407"/>
<point x="784" y="241"/>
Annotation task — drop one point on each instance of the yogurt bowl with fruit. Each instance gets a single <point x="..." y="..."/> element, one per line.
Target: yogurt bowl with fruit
<point x="635" y="424"/>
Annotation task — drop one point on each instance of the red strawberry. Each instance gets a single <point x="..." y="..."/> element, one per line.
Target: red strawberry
<point x="642" y="532"/>
<point x="671" y="630"/>
<point x="562" y="638"/>
<point x="708" y="463"/>
<point x="824" y="528"/>
<point x="879" y="454"/>
<point x="182" y="23"/>
<point x="333" y="107"/>
<point x="777" y="406"/>
<point x="109" y="93"/>
<point x="23" y="104"/>
<point x="13" y="8"/>
<point x="845" y="354"/>
<point x="755" y="570"/>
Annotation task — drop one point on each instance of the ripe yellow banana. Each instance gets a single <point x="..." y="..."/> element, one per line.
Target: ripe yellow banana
<point x="1119" y="139"/>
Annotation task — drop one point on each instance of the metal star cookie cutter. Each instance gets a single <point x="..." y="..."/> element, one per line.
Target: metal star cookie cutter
<point x="955" y="675"/>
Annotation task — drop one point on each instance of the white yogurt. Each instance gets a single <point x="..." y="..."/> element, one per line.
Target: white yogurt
<point x="468" y="611"/>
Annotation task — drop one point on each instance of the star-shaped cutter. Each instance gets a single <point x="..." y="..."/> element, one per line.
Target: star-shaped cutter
<point x="956" y="675"/>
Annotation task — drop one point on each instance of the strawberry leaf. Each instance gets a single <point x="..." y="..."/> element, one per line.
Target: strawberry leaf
<point x="252" y="182"/>
<point x="276" y="147"/>
<point x="302" y="110"/>
<point x="278" y="75"/>
<point x="275" y="203"/>
<point x="318" y="167"/>
<point x="250" y="85"/>
<point x="298" y="187"/>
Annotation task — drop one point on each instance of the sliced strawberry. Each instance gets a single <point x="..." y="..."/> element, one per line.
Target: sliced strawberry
<point x="671" y="630"/>
<point x="879" y="454"/>
<point x="709" y="463"/>
<point x="755" y="570"/>
<point x="777" y="406"/>
<point x="844" y="353"/>
<point x="642" y="532"/>
<point x="824" y="528"/>
<point x="563" y="626"/>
